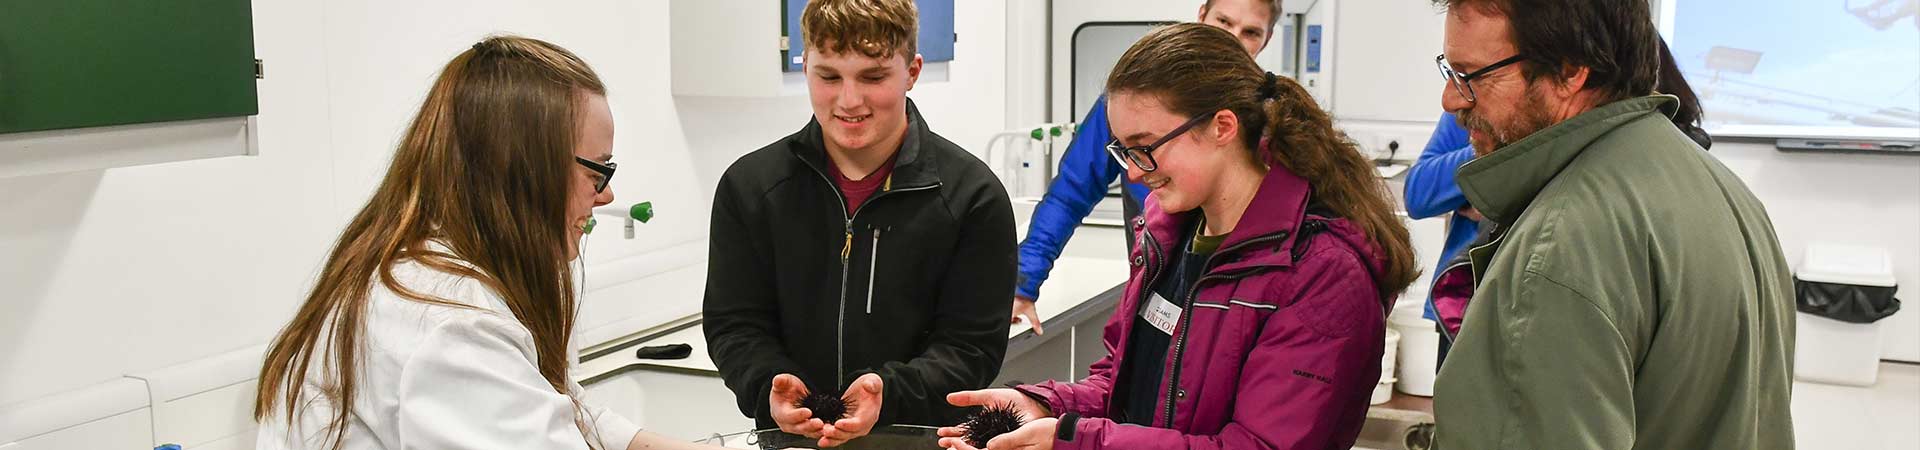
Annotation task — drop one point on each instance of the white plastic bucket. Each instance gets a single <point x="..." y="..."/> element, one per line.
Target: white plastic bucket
<point x="1419" y="354"/>
<point x="1834" y="352"/>
<point x="1384" y="389"/>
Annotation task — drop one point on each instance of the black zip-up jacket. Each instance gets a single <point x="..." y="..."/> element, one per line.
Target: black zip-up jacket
<point x="916" y="284"/>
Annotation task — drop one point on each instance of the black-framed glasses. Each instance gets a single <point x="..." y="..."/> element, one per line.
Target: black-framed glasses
<point x="604" y="170"/>
<point x="1463" y="83"/>
<point x="1142" y="156"/>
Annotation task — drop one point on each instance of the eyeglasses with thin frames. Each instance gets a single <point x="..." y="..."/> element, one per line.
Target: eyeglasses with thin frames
<point x="603" y="170"/>
<point x="1463" y="83"/>
<point x="1142" y="156"/>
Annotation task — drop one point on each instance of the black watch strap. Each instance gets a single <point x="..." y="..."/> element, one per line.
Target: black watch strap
<point x="1063" y="430"/>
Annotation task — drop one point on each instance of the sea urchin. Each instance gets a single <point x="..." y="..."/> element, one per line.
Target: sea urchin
<point x="992" y="421"/>
<point x="826" y="406"/>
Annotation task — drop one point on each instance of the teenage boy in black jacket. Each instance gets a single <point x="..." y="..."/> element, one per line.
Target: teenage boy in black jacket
<point x="864" y="254"/>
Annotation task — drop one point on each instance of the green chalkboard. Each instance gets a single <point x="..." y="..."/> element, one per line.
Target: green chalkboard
<point x="88" y="63"/>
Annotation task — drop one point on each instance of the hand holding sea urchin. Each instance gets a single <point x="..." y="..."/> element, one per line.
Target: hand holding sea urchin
<point x="992" y="421"/>
<point x="826" y="406"/>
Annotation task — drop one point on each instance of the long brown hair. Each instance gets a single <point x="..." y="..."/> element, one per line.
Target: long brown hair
<point x="1194" y="69"/>
<point x="483" y="170"/>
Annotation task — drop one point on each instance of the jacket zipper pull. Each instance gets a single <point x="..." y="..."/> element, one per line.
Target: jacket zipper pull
<point x="846" y="247"/>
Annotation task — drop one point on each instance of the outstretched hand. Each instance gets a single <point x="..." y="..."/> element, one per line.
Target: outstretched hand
<point x="1035" y="435"/>
<point x="1024" y="309"/>
<point x="782" y="404"/>
<point x="863" y="403"/>
<point x="1022" y="404"/>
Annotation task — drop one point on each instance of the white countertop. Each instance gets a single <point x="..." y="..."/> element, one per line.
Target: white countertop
<point x="620" y="358"/>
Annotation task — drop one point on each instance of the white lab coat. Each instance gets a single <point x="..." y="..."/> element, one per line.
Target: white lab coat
<point x="443" y="377"/>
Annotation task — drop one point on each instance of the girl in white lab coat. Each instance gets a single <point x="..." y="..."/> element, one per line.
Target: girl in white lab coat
<point x="441" y="319"/>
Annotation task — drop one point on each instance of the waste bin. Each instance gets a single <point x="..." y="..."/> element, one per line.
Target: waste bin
<point x="1841" y="293"/>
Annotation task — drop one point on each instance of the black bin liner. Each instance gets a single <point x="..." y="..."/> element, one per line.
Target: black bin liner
<point x="1845" y="302"/>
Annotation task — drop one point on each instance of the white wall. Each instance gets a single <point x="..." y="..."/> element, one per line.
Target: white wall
<point x="112" y="272"/>
<point x="1027" y="63"/>
<point x="1390" y="79"/>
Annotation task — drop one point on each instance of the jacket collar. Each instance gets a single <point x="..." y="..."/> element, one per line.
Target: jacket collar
<point x="1502" y="184"/>
<point x="1271" y="219"/>
<point x="913" y="166"/>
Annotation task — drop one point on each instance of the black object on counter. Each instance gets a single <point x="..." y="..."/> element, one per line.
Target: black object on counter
<point x="669" y="351"/>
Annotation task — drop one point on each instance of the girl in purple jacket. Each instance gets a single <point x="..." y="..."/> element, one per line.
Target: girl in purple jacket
<point x="1255" y="314"/>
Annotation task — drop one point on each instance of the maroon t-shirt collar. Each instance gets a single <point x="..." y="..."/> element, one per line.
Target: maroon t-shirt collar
<point x="856" y="192"/>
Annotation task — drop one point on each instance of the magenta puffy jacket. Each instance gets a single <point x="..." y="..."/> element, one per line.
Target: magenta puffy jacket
<point x="1280" y="350"/>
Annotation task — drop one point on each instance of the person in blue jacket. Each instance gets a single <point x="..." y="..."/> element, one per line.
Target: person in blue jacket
<point x="1430" y="192"/>
<point x="1088" y="169"/>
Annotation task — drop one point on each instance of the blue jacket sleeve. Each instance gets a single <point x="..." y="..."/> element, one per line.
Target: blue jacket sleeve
<point x="1085" y="172"/>
<point x="1430" y="190"/>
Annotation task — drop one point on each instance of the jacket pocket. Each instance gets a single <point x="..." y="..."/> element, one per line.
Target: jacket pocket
<point x="1232" y="325"/>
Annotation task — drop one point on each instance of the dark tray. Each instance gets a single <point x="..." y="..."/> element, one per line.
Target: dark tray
<point x="891" y="437"/>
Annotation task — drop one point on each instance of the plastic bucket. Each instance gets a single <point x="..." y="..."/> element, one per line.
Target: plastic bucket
<point x="1384" y="389"/>
<point x="1419" y="354"/>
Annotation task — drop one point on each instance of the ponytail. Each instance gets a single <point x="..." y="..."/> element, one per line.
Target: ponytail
<point x="1301" y="137"/>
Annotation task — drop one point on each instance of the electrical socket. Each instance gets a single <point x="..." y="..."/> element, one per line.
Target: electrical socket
<point x="1392" y="147"/>
<point x="1375" y="139"/>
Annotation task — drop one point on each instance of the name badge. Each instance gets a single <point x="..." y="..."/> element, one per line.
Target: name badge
<point x="1161" y="313"/>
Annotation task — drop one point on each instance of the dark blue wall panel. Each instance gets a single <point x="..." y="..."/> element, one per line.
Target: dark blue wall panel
<point x="936" y="31"/>
<point x="795" y="43"/>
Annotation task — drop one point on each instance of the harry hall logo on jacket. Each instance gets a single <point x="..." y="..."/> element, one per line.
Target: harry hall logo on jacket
<point x="1311" y="376"/>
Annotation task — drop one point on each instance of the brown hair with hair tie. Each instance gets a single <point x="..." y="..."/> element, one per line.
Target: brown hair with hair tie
<point x="1197" y="69"/>
<point x="1271" y="88"/>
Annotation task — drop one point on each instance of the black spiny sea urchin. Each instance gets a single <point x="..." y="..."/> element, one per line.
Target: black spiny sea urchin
<point x="826" y="406"/>
<point x="992" y="421"/>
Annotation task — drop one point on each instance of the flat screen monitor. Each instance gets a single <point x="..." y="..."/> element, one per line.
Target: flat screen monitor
<point x="1832" y="69"/>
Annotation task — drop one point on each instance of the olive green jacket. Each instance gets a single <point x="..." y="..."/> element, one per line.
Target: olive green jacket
<point x="1634" y="297"/>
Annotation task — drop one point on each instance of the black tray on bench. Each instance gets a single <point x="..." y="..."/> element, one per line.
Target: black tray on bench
<point x="891" y="437"/>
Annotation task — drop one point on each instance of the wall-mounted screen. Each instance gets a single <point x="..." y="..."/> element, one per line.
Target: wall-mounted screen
<point x="1801" y="68"/>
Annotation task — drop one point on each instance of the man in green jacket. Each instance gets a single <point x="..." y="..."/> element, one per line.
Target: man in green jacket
<point x="1634" y="295"/>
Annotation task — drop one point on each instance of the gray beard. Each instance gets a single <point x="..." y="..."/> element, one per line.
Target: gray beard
<point x="1531" y="117"/>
